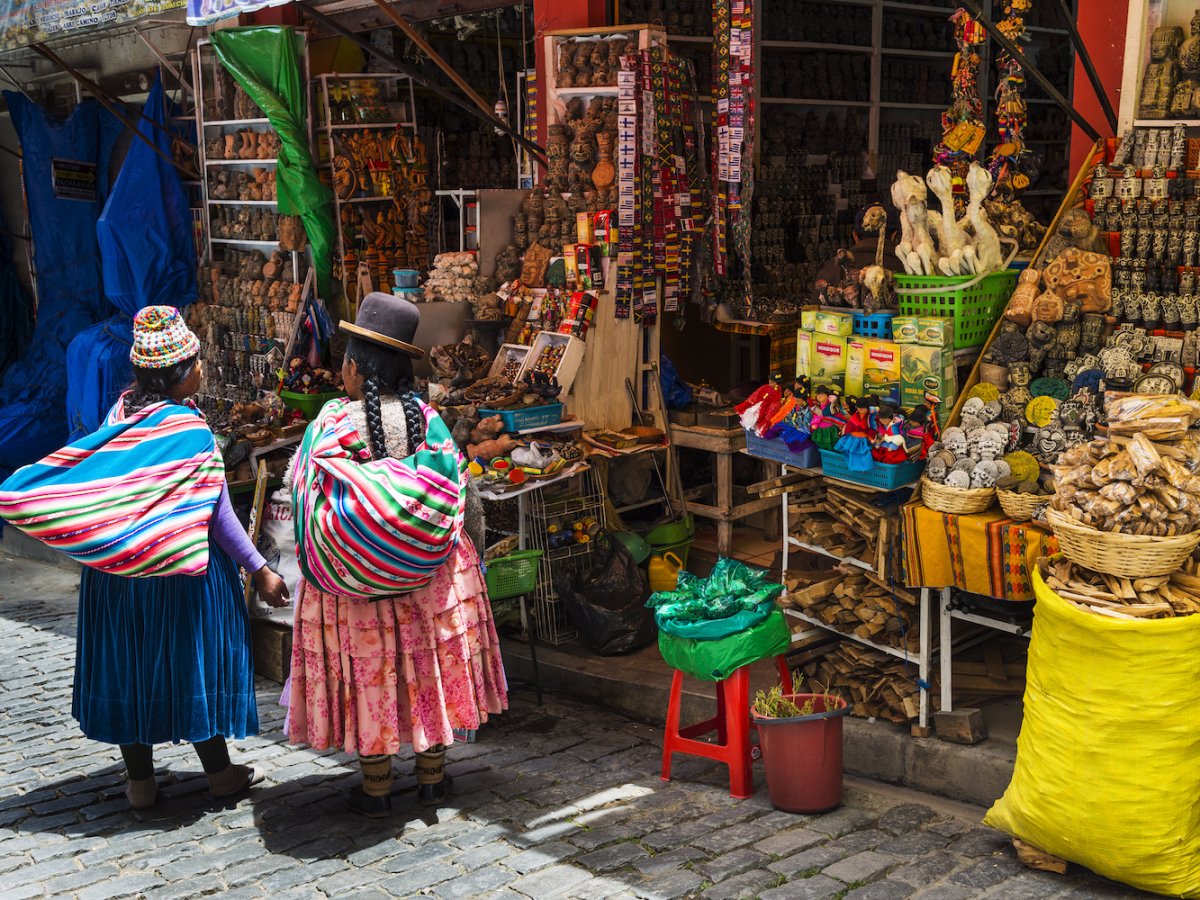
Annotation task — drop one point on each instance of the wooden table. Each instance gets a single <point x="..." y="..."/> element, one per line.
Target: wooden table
<point x="723" y="444"/>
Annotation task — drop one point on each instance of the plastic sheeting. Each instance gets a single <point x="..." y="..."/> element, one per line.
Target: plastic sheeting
<point x="33" y="418"/>
<point x="148" y="257"/>
<point x="265" y="62"/>
<point x="16" y="306"/>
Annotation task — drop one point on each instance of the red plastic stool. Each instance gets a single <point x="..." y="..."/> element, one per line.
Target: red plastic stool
<point x="731" y="723"/>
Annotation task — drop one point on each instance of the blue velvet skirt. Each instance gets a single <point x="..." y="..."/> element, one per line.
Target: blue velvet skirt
<point x="164" y="659"/>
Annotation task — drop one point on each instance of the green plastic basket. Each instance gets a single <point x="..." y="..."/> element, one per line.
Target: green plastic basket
<point x="512" y="575"/>
<point x="308" y="404"/>
<point x="974" y="309"/>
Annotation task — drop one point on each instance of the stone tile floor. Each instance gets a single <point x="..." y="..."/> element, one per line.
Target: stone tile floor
<point x="562" y="800"/>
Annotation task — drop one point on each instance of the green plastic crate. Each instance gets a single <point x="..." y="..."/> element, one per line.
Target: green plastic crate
<point x="974" y="309"/>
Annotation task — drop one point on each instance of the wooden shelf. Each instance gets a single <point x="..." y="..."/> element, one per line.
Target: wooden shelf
<point x="814" y="45"/>
<point x="241" y="202"/>
<point x="1166" y="123"/>
<point x="795" y="101"/>
<point x="610" y="90"/>
<point x="240" y="162"/>
<point x="920" y="54"/>
<point x="691" y="39"/>
<point x="885" y="104"/>
<point x="882" y="648"/>
<point x="367" y="125"/>
<point x="244" y="243"/>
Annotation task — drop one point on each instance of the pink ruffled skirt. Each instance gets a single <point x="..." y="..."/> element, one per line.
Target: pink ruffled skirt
<point x="373" y="676"/>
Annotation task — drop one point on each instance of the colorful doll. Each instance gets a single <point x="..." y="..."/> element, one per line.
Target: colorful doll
<point x="827" y="417"/>
<point x="857" y="436"/>
<point x="755" y="411"/>
<point x="889" y="446"/>
<point x="918" y="435"/>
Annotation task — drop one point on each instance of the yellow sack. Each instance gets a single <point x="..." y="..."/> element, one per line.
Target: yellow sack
<point x="1108" y="761"/>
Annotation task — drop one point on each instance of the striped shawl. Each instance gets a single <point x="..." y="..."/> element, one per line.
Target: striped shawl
<point x="367" y="528"/>
<point x="133" y="498"/>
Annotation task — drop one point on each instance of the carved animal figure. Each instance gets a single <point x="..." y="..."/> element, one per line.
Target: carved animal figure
<point x="988" y="257"/>
<point x="952" y="237"/>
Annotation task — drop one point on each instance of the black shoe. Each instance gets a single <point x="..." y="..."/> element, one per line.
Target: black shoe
<point x="435" y="794"/>
<point x="366" y="805"/>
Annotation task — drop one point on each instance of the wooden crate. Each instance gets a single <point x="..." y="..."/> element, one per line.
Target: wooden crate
<point x="272" y="645"/>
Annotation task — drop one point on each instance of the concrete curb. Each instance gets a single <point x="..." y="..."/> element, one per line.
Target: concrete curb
<point x="878" y="750"/>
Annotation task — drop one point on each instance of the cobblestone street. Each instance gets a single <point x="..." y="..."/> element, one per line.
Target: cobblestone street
<point x="562" y="800"/>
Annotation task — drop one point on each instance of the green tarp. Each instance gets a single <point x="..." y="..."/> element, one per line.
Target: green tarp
<point x="266" y="63"/>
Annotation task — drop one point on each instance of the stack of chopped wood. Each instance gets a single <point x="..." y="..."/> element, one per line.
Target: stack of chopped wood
<point x="874" y="683"/>
<point x="845" y="522"/>
<point x="857" y="602"/>
<point x="1156" y="597"/>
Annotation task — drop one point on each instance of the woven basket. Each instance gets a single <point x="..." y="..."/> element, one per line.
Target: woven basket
<point x="1123" y="555"/>
<point x="956" y="501"/>
<point x="1020" y="507"/>
<point x="994" y="374"/>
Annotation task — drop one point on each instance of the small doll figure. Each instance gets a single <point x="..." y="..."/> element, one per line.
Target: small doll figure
<point x="787" y="406"/>
<point x="857" y="436"/>
<point x="889" y="446"/>
<point x="755" y="411"/>
<point x="827" y="417"/>
<point x="918" y="435"/>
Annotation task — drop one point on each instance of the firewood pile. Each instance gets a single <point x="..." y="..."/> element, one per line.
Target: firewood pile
<point x="846" y="523"/>
<point x="875" y="684"/>
<point x="857" y="602"/>
<point x="1157" y="597"/>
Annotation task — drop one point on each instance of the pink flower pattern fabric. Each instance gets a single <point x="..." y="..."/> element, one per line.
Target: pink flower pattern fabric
<point x="373" y="676"/>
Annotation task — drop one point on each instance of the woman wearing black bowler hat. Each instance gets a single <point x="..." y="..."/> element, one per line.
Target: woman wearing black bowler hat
<point x="393" y="640"/>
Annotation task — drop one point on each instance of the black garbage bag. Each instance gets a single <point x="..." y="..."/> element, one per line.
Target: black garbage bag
<point x="606" y="601"/>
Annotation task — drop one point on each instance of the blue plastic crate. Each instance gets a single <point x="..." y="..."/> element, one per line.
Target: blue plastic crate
<point x="877" y="325"/>
<point x="524" y="419"/>
<point x="776" y="450"/>
<point x="882" y="475"/>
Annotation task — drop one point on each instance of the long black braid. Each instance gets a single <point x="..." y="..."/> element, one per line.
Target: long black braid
<point x="151" y="386"/>
<point x="386" y="372"/>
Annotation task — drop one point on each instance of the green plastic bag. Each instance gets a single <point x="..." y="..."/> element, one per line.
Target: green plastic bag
<point x="265" y="62"/>
<point x="715" y="629"/>
<point x="714" y="660"/>
<point x="733" y="587"/>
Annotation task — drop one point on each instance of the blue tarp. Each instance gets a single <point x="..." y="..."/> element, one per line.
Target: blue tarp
<point x="149" y="258"/>
<point x="33" y="418"/>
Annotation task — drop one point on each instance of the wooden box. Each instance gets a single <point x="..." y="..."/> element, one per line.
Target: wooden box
<point x="515" y="353"/>
<point x="567" y="367"/>
<point x="272" y="645"/>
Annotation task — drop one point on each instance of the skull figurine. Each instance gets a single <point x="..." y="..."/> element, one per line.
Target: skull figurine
<point x="936" y="471"/>
<point x="955" y="440"/>
<point x="964" y="465"/>
<point x="973" y="406"/>
<point x="985" y="475"/>
<point x="1003" y="469"/>
<point x="970" y="423"/>
<point x="989" y="446"/>
<point x="992" y="411"/>
<point x="958" y="480"/>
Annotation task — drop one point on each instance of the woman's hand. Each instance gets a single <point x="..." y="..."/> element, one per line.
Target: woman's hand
<point x="271" y="588"/>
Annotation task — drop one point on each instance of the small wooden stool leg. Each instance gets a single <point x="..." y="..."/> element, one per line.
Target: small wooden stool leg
<point x="725" y="503"/>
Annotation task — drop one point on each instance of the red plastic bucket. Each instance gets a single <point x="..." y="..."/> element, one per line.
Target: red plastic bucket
<point x="803" y="755"/>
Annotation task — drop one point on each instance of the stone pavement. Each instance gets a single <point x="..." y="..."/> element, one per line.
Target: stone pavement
<point x="562" y="800"/>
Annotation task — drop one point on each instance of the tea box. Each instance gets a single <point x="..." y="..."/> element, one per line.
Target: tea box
<point x="873" y="369"/>
<point x="926" y="369"/>
<point x="827" y="363"/>
<point x="935" y="331"/>
<point x="835" y="323"/>
<point x="808" y="319"/>
<point x="804" y="341"/>
<point x="906" y="329"/>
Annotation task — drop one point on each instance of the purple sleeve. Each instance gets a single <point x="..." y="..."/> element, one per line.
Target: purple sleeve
<point x="231" y="536"/>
